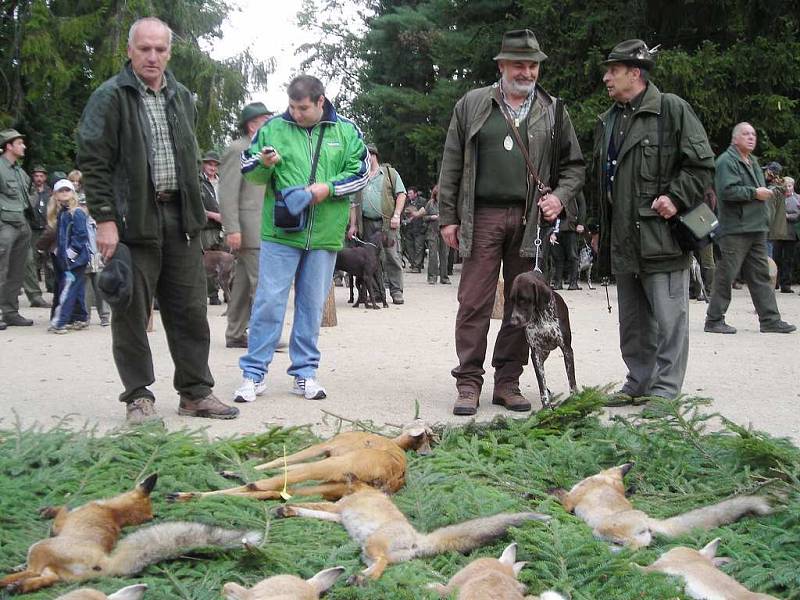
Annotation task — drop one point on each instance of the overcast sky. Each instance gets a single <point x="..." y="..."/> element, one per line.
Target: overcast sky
<point x="269" y="28"/>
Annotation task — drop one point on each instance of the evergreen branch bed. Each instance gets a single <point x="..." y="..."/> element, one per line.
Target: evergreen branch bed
<point x="684" y="458"/>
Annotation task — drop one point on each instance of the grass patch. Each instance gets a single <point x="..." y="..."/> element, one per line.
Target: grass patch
<point x="478" y="469"/>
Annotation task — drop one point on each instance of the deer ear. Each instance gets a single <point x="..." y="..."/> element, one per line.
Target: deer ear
<point x="509" y="554"/>
<point x="709" y="551"/>
<point x="325" y="579"/>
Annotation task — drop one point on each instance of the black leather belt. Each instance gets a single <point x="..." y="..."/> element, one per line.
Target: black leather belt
<point x="374" y="219"/>
<point x="167" y="195"/>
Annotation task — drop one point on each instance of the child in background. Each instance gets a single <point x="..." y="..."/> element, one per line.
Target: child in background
<point x="71" y="257"/>
<point x="93" y="295"/>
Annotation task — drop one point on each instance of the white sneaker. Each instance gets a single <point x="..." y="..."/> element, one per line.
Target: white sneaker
<point x="308" y="388"/>
<point x="249" y="389"/>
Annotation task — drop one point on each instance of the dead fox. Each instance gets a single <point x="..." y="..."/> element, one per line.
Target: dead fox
<point x="285" y="587"/>
<point x="490" y="579"/>
<point x="600" y="501"/>
<point x="352" y="459"/>
<point x="84" y="541"/>
<point x="704" y="581"/>
<point x="386" y="536"/>
<point x="132" y="592"/>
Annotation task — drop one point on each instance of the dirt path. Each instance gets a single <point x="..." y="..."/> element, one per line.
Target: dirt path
<point x="377" y="364"/>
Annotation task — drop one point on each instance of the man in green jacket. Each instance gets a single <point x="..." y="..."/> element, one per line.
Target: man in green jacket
<point x="309" y="159"/>
<point x="652" y="160"/>
<point x="138" y="154"/>
<point x="15" y="233"/>
<point x="742" y="197"/>
<point x="490" y="208"/>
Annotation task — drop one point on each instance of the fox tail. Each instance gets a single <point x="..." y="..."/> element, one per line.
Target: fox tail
<point x="169" y="540"/>
<point x="472" y="534"/>
<point x="712" y="516"/>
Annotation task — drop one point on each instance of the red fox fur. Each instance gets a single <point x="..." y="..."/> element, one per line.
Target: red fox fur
<point x="490" y="579"/>
<point x="285" y="587"/>
<point x="600" y="501"/>
<point x="84" y="541"/>
<point x="352" y="460"/>
<point x="386" y="536"/>
<point x="704" y="581"/>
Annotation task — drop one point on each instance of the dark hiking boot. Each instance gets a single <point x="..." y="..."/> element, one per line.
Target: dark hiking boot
<point x="467" y="401"/>
<point x="209" y="407"/>
<point x="778" y="327"/>
<point x="508" y="395"/>
<point x="719" y="327"/>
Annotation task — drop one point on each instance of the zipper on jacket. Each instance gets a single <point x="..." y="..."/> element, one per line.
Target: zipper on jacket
<point x="312" y="209"/>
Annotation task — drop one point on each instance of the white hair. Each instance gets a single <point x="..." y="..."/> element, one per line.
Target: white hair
<point x="137" y="22"/>
<point x="737" y="129"/>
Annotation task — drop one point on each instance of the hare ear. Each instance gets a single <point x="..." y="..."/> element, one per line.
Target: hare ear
<point x="518" y="567"/>
<point x="709" y="551"/>
<point x="509" y="555"/>
<point x="132" y="592"/>
<point x="438" y="588"/>
<point x="233" y="591"/>
<point x="325" y="579"/>
<point x="623" y="469"/>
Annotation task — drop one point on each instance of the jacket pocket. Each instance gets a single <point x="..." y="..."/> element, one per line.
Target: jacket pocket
<point x="649" y="168"/>
<point x="655" y="236"/>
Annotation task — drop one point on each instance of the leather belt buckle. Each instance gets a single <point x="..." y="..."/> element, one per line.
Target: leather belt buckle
<point x="166" y="195"/>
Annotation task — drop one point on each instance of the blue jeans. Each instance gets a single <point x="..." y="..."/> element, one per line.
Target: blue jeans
<point x="70" y="298"/>
<point x="312" y="272"/>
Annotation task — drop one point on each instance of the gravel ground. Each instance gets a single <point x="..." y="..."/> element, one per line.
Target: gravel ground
<point x="376" y="364"/>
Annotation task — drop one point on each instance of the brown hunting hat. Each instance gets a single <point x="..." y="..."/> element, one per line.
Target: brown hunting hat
<point x="520" y="44"/>
<point x="9" y="135"/>
<point x="634" y="53"/>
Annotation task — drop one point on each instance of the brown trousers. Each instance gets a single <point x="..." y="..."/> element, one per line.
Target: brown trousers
<point x="496" y="238"/>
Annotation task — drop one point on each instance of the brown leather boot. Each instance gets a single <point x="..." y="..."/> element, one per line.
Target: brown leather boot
<point x="209" y="407"/>
<point x="467" y="401"/>
<point x="508" y="395"/>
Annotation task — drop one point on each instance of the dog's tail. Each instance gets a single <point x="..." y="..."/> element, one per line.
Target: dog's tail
<point x="712" y="516"/>
<point x="169" y="540"/>
<point x="471" y="534"/>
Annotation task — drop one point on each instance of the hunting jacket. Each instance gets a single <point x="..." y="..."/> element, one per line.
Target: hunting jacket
<point x="14" y="185"/>
<point x="114" y="154"/>
<point x="633" y="237"/>
<point x="343" y="166"/>
<point x="459" y="163"/>
<point x="241" y="202"/>
<point x="388" y="199"/>
<point x="736" y="183"/>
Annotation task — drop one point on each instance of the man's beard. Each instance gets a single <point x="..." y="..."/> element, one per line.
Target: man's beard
<point x="517" y="88"/>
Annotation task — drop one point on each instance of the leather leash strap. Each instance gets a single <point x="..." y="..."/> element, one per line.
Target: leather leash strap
<point x="543" y="189"/>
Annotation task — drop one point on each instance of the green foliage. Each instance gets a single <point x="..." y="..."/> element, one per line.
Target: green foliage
<point x="684" y="458"/>
<point x="731" y="60"/>
<point x="54" y="53"/>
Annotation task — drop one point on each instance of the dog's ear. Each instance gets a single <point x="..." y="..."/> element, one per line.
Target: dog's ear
<point x="543" y="294"/>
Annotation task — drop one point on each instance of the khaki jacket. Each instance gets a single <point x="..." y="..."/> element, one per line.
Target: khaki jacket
<point x="14" y="186"/>
<point x="240" y="201"/>
<point x="457" y="176"/>
<point x="633" y="237"/>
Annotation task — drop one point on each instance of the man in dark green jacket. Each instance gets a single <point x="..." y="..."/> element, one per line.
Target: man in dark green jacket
<point x="652" y="160"/>
<point x="742" y="197"/>
<point x="490" y="208"/>
<point x="139" y="157"/>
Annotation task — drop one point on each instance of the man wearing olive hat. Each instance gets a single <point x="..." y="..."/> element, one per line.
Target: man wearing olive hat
<point x="38" y="197"/>
<point x="211" y="235"/>
<point x="653" y="160"/>
<point x="490" y="208"/>
<point x="241" y="203"/>
<point x="15" y="233"/>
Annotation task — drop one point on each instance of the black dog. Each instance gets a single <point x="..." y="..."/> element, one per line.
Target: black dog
<point x="545" y="317"/>
<point x="363" y="263"/>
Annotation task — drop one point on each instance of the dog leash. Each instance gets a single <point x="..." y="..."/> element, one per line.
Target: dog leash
<point x="360" y="241"/>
